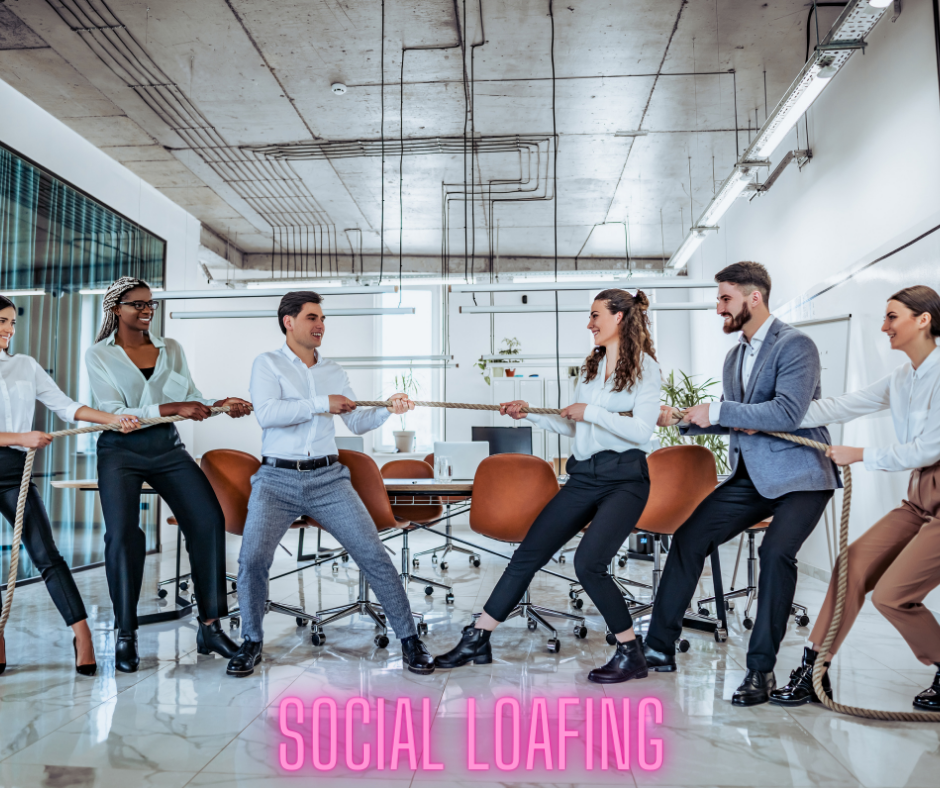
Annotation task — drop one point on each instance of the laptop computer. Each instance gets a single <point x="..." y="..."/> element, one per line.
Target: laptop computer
<point x="465" y="456"/>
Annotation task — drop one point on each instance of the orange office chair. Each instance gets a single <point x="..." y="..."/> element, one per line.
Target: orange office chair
<point x="367" y="482"/>
<point x="509" y="492"/>
<point x="229" y="472"/>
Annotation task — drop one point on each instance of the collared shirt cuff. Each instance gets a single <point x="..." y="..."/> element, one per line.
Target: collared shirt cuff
<point x="320" y="404"/>
<point x="592" y="413"/>
<point x="714" y="412"/>
<point x="152" y="412"/>
<point x="870" y="459"/>
<point x="71" y="410"/>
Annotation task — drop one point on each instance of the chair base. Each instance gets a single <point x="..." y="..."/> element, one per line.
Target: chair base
<point x="407" y="577"/>
<point x="363" y="606"/>
<point x="448" y="547"/>
<point x="535" y="617"/>
<point x="623" y="583"/>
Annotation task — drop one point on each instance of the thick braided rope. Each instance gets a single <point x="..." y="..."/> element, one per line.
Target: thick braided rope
<point x="841" y="588"/>
<point x="457" y="405"/>
<point x="24" y="491"/>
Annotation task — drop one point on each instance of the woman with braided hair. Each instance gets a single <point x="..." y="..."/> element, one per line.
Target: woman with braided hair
<point x="608" y="483"/>
<point x="22" y="382"/>
<point x="136" y="373"/>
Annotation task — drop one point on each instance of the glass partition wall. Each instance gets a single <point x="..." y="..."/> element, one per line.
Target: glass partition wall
<point x="59" y="249"/>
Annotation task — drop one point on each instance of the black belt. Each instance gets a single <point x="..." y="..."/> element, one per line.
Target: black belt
<point x="302" y="465"/>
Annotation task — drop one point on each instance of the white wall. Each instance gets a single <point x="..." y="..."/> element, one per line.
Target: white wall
<point x="872" y="186"/>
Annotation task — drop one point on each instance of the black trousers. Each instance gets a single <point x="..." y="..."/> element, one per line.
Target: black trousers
<point x="156" y="455"/>
<point x="727" y="512"/>
<point x="609" y="491"/>
<point x="37" y="537"/>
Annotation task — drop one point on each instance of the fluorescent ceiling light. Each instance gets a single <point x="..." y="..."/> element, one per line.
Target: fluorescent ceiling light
<point x="730" y="190"/>
<point x="880" y="3"/>
<point x="791" y="109"/>
<point x="262" y="285"/>
<point x="692" y="242"/>
<point x="535" y="356"/>
<point x="625" y="284"/>
<point x="11" y="293"/>
<point x="404" y="310"/>
<point x="276" y="292"/>
<point x="398" y="366"/>
<point x="370" y="359"/>
<point x="563" y="278"/>
<point x="510" y="309"/>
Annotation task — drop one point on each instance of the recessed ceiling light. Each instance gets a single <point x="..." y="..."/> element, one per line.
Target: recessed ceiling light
<point x="338" y="88"/>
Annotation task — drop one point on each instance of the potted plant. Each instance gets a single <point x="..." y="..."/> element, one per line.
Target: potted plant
<point x="511" y="347"/>
<point x="685" y="394"/>
<point x="405" y="384"/>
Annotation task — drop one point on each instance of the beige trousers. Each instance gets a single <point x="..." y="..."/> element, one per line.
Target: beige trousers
<point x="899" y="559"/>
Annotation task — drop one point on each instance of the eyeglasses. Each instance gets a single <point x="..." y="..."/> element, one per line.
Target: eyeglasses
<point x="140" y="306"/>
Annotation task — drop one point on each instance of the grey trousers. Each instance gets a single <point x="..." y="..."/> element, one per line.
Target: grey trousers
<point x="278" y="497"/>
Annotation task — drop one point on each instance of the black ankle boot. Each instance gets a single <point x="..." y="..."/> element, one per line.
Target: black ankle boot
<point x="800" y="689"/>
<point x="416" y="655"/>
<point x="126" y="658"/>
<point x="755" y="688"/>
<point x="245" y="659"/>
<point x="658" y="661"/>
<point x="929" y="699"/>
<point x="627" y="663"/>
<point x="211" y="637"/>
<point x="474" y="646"/>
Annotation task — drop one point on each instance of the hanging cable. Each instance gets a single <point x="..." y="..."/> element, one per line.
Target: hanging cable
<point x="382" y="134"/>
<point x="401" y="175"/>
<point x="551" y="15"/>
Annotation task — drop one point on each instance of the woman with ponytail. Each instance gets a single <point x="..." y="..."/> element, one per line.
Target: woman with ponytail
<point x="22" y="382"/>
<point x="898" y="558"/>
<point x="136" y="373"/>
<point x="612" y="423"/>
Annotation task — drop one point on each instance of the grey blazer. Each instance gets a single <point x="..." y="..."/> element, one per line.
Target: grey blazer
<point x="783" y="382"/>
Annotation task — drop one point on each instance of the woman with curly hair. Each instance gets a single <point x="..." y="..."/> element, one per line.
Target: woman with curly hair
<point x="137" y="373"/>
<point x="612" y="422"/>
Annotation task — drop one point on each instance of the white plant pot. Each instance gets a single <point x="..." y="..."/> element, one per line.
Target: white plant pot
<point x="404" y="440"/>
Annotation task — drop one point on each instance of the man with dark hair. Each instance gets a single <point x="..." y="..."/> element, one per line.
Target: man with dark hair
<point x="294" y="390"/>
<point x="769" y="381"/>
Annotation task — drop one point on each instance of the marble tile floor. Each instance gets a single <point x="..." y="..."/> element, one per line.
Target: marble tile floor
<point x="180" y="721"/>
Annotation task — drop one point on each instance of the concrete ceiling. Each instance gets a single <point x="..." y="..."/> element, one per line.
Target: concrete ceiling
<point x="225" y="106"/>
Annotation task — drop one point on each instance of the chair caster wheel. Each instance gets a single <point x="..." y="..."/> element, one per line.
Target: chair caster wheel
<point x="474" y="562"/>
<point x="317" y="638"/>
<point x="162" y="593"/>
<point x="621" y="562"/>
<point x="422" y="629"/>
<point x="611" y="639"/>
<point x="802" y="621"/>
<point x="729" y="607"/>
<point x="345" y="558"/>
<point x="415" y="563"/>
<point x="580" y="631"/>
<point x="381" y="641"/>
<point x="184" y="586"/>
<point x="234" y="586"/>
<point x="301" y="622"/>
<point x="553" y="646"/>
<point x="234" y="621"/>
<point x="531" y="624"/>
<point x="443" y="566"/>
<point x="578" y="603"/>
<point x="192" y="598"/>
<point x="433" y="559"/>
<point x="683" y="646"/>
<point x="721" y="635"/>
<point x="428" y="590"/>
<point x="561" y="559"/>
<point x="748" y="624"/>
<point x="335" y="567"/>
<point x="572" y="595"/>
<point x="449" y="599"/>
<point x="704" y="612"/>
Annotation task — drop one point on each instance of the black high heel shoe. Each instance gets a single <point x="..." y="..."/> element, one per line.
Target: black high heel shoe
<point x="83" y="670"/>
<point x="126" y="658"/>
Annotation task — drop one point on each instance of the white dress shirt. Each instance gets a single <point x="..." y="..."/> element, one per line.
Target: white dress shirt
<point x="22" y="382"/>
<point x="119" y="386"/>
<point x="603" y="428"/>
<point x="292" y="404"/>
<point x="750" y="351"/>
<point x="913" y="396"/>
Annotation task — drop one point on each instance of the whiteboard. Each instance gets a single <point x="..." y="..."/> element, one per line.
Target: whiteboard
<point x="831" y="335"/>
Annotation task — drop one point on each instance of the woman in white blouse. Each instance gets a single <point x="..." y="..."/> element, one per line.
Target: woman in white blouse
<point x="137" y="373"/>
<point x="22" y="382"/>
<point x="899" y="557"/>
<point x="612" y="423"/>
